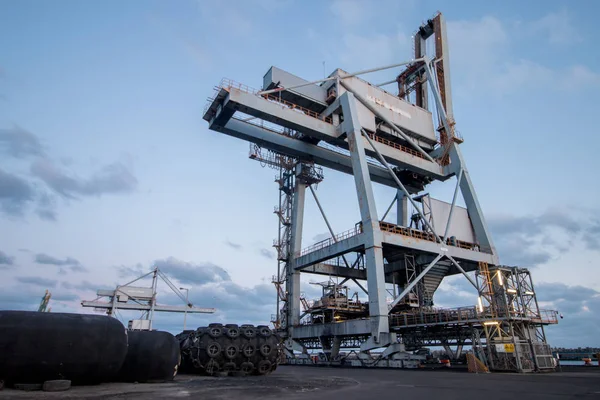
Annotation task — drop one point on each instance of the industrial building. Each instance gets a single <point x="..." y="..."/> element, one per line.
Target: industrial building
<point x="405" y="140"/>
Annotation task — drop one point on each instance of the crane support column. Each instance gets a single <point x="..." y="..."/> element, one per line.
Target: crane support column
<point x="293" y="276"/>
<point x="370" y="223"/>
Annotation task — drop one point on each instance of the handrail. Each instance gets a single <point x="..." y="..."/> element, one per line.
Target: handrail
<point x="418" y="234"/>
<point x="330" y="241"/>
<point x="229" y="84"/>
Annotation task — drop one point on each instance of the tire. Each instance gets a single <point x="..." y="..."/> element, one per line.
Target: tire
<point x="231" y="351"/>
<point x="248" y="350"/>
<point x="248" y="332"/>
<point x="264" y="331"/>
<point x="266" y="349"/>
<point x="232" y="332"/>
<point x="215" y="331"/>
<point x="264" y="367"/>
<point x="229" y="367"/>
<point x="247" y="367"/>
<point x="213" y="350"/>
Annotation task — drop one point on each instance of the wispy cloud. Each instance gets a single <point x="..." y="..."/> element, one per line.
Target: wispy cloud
<point x="6" y="260"/>
<point x="482" y="51"/>
<point x="35" y="280"/>
<point x="73" y="264"/>
<point x="111" y="179"/>
<point x="15" y="194"/>
<point x="557" y="27"/>
<point x="19" y="143"/>
<point x="233" y="245"/>
<point x="267" y="253"/>
<point x="532" y="240"/>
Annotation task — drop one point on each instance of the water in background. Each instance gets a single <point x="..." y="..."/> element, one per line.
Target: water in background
<point x="576" y="362"/>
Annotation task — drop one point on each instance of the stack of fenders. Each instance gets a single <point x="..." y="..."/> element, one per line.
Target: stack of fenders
<point x="37" y="347"/>
<point x="230" y="349"/>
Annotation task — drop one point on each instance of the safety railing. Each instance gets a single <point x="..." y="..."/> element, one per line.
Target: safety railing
<point x="395" y="145"/>
<point x="229" y="84"/>
<point x="548" y="317"/>
<point x="330" y="241"/>
<point x="418" y="234"/>
<point x="434" y="316"/>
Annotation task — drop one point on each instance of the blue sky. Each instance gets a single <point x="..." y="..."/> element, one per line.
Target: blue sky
<point x="107" y="166"/>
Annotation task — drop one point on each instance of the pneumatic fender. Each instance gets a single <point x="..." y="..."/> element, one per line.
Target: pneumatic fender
<point x="39" y="346"/>
<point x="152" y="356"/>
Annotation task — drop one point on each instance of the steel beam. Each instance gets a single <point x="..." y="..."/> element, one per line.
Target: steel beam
<point x="344" y="328"/>
<point x="331" y="232"/>
<point x="336" y="270"/>
<point x="435" y="248"/>
<point x="332" y="78"/>
<point x="147" y="307"/>
<point x="293" y="276"/>
<point x="353" y="243"/>
<point x="458" y="179"/>
<point x="370" y="223"/>
<point x="402" y="209"/>
<point x="305" y="151"/>
<point x="400" y="185"/>
<point x="389" y="208"/>
<point x="239" y="100"/>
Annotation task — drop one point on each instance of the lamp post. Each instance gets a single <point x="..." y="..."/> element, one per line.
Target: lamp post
<point x="187" y="302"/>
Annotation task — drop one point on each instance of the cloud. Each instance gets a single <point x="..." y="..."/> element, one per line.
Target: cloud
<point x="6" y="260"/>
<point x="482" y="58"/>
<point x="111" y="179"/>
<point x="42" y="258"/>
<point x="73" y="264"/>
<point x="267" y="253"/>
<point x="557" y="27"/>
<point x="46" y="207"/>
<point x="233" y="245"/>
<point x="321" y="236"/>
<point x="64" y="297"/>
<point x="84" y="286"/>
<point x="533" y="240"/>
<point x="209" y="286"/>
<point x="19" y="143"/>
<point x="190" y="272"/>
<point x="15" y="193"/>
<point x="35" y="280"/>
<point x="234" y="304"/>
<point x="137" y="270"/>
<point x="579" y="305"/>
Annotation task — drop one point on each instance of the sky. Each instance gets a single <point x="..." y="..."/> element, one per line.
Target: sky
<point x="107" y="167"/>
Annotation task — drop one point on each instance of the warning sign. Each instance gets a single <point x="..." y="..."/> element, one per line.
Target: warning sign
<point x="505" y="348"/>
<point x="509" y="347"/>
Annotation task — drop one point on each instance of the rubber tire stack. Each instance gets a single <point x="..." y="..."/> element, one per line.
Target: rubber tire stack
<point x="229" y="349"/>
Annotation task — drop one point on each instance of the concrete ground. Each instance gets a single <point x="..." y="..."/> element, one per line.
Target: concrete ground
<point x="301" y="382"/>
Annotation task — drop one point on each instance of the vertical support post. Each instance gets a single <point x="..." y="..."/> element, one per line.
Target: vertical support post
<point x="402" y="210"/>
<point x="293" y="276"/>
<point x="420" y="87"/>
<point x="154" y="284"/>
<point x="370" y="224"/>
